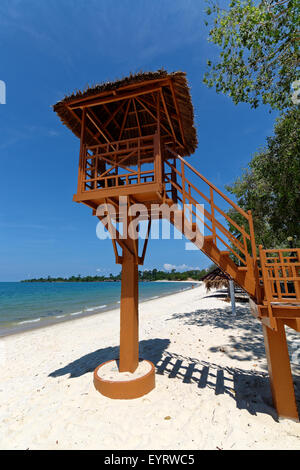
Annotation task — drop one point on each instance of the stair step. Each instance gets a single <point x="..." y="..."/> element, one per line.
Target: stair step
<point x="209" y="239"/>
<point x="224" y="253"/>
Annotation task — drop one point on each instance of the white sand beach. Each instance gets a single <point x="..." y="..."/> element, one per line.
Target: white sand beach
<point x="212" y="389"/>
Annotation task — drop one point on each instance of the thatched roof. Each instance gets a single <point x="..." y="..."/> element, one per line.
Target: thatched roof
<point x="179" y="106"/>
<point x="215" y="279"/>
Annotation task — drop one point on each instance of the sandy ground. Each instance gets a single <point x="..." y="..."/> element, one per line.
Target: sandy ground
<point x="212" y="389"/>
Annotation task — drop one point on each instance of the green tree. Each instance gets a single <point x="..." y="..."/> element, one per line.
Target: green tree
<point x="270" y="186"/>
<point x="259" y="51"/>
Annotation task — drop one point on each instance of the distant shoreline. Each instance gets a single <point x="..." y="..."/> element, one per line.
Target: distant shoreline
<point x="148" y="275"/>
<point x="116" y="280"/>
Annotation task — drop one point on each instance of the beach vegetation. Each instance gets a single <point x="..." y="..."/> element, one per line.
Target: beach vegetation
<point x="147" y="275"/>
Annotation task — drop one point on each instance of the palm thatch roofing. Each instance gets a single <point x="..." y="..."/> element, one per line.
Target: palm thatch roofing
<point x="125" y="108"/>
<point x="216" y="279"/>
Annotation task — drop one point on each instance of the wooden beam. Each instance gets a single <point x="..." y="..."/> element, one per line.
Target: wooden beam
<point x="108" y="111"/>
<point x="153" y="106"/>
<point x="118" y="163"/>
<point x="154" y="117"/>
<point x="177" y="110"/>
<point x="137" y="118"/>
<point x="95" y="121"/>
<point x="87" y="129"/>
<point x="167" y="114"/>
<point x="123" y="244"/>
<point x="113" y="116"/>
<point x="125" y="118"/>
<point x="146" y="242"/>
<point x="110" y="229"/>
<point x="81" y="153"/>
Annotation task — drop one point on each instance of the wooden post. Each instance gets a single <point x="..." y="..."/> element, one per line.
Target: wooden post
<point x="174" y="180"/>
<point x="157" y="158"/>
<point x="280" y="372"/>
<point x="232" y="296"/>
<point x="212" y="211"/>
<point x="129" y="321"/>
<point x="252" y="235"/>
<point x="81" y="169"/>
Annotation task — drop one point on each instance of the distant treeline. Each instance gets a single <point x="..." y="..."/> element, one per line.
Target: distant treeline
<point x="147" y="275"/>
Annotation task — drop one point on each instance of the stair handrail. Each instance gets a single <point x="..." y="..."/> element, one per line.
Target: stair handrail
<point x="206" y="214"/>
<point x="246" y="215"/>
<point x="227" y="199"/>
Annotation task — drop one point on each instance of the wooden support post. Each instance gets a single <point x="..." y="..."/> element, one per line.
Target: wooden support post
<point x="129" y="321"/>
<point x="232" y="296"/>
<point x="280" y="372"/>
<point x="212" y="211"/>
<point x="82" y="155"/>
<point x="157" y="159"/>
<point x="174" y="180"/>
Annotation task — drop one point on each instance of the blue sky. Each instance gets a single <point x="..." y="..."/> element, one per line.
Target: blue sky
<point x="50" y="48"/>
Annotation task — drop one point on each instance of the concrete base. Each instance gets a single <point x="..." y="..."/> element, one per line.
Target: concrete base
<point x="124" y="385"/>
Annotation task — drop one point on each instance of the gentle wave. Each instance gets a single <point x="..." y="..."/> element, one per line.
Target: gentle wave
<point x="28" y="321"/>
<point x="95" y="308"/>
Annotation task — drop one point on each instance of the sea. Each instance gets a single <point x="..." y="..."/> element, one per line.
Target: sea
<point x="29" y="305"/>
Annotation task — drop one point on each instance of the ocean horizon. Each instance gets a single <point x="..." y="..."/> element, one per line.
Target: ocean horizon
<point x="26" y="306"/>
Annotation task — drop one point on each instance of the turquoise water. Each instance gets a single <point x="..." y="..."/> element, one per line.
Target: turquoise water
<point x="29" y="305"/>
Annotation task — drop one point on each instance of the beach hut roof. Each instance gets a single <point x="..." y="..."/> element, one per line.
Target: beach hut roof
<point x="177" y="115"/>
<point x="215" y="279"/>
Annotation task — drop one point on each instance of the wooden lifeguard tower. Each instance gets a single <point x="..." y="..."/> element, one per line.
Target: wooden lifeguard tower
<point x="133" y="135"/>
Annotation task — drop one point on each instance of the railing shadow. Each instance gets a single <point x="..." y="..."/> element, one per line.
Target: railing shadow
<point x="250" y="389"/>
<point x="248" y="345"/>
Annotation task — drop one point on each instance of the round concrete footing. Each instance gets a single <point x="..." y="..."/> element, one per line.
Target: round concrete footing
<point x="124" y="386"/>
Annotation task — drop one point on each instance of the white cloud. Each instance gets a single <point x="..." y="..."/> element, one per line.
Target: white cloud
<point x="180" y="267"/>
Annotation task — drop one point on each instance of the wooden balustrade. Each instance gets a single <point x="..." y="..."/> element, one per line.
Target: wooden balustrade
<point x="280" y="270"/>
<point x="120" y="163"/>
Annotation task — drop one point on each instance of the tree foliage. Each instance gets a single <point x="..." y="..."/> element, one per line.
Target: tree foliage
<point x="270" y="186"/>
<point x="259" y="55"/>
<point x="146" y="275"/>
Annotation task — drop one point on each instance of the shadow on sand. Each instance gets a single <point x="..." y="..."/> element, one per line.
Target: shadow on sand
<point x="222" y="294"/>
<point x="151" y="349"/>
<point x="248" y="345"/>
<point x="250" y="389"/>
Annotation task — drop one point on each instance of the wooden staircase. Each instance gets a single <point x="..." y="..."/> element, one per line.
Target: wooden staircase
<point x="270" y="277"/>
<point x="234" y="253"/>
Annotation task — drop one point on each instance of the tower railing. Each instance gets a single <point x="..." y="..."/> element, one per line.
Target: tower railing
<point x="120" y="163"/>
